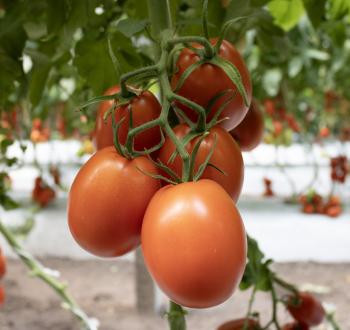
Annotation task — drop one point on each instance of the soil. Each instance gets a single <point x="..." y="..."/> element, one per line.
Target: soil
<point x="106" y="290"/>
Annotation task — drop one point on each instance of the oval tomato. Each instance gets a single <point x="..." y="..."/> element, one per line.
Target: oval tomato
<point x="107" y="202"/>
<point x="227" y="156"/>
<point x="295" y="326"/>
<point x="239" y="324"/>
<point x="308" y="310"/>
<point x="144" y="108"/>
<point x="2" y="265"/>
<point x="249" y="132"/>
<point x="208" y="81"/>
<point x="194" y="243"/>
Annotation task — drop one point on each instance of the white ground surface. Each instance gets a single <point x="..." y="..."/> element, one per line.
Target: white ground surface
<point x="284" y="233"/>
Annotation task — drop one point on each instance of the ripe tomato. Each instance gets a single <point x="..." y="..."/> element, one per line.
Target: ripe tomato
<point x="227" y="156"/>
<point x="107" y="202"/>
<point x="295" y="326"/>
<point x="208" y="81"/>
<point x="307" y="310"/>
<point x="144" y="108"/>
<point x="2" y="295"/>
<point x="194" y="243"/>
<point x="2" y="265"/>
<point x="42" y="193"/>
<point x="250" y="131"/>
<point x="239" y="324"/>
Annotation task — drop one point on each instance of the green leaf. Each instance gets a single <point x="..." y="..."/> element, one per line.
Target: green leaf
<point x="257" y="272"/>
<point x="339" y="8"/>
<point x="286" y="13"/>
<point x="315" y="10"/>
<point x="131" y="26"/>
<point x="56" y="13"/>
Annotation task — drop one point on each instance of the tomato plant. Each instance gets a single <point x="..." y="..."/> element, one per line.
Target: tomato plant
<point x="142" y="108"/>
<point x="226" y="157"/>
<point x="195" y="225"/>
<point x="100" y="215"/>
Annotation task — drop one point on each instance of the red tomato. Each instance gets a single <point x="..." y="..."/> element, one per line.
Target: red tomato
<point x="227" y="156"/>
<point x="144" y="108"/>
<point x="239" y="324"/>
<point x="107" y="202"/>
<point x="295" y="326"/>
<point x="269" y="106"/>
<point x="208" y="81"/>
<point x="194" y="243"/>
<point x="307" y="310"/>
<point x="2" y="295"/>
<point x="2" y="265"/>
<point x="42" y="193"/>
<point x="250" y="131"/>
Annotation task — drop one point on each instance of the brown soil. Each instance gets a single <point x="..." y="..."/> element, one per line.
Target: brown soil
<point x="106" y="291"/>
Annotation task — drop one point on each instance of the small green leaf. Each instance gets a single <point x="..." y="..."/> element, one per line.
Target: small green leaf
<point x="131" y="26"/>
<point x="286" y="13"/>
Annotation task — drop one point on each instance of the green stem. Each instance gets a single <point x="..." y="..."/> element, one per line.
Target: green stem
<point x="201" y="125"/>
<point x="208" y="48"/>
<point x="176" y="317"/>
<point x="332" y="322"/>
<point x="38" y="270"/>
<point x="125" y="77"/>
<point x="285" y="285"/>
<point x="205" y="19"/>
<point x="250" y="307"/>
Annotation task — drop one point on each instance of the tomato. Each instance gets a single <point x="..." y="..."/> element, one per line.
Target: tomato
<point x="239" y="324"/>
<point x="107" y="202"/>
<point x="2" y="265"/>
<point x="295" y="326"/>
<point x="227" y="156"/>
<point x="250" y="131"/>
<point x="2" y="295"/>
<point x="208" y="81"/>
<point x="307" y="309"/>
<point x="144" y="108"/>
<point x="194" y="243"/>
<point x="42" y="193"/>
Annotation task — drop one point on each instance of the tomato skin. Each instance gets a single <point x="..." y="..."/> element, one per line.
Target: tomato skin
<point x="2" y="265"/>
<point x="249" y="132"/>
<point x="194" y="243"/>
<point x="295" y="326"/>
<point x="227" y="156"/>
<point x="107" y="202"/>
<point x="310" y="310"/>
<point x="208" y="80"/>
<point x="144" y="107"/>
<point x="238" y="324"/>
<point x="2" y="295"/>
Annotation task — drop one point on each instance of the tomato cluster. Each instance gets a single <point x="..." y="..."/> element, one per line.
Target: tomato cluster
<point x="42" y="193"/>
<point x="313" y="203"/>
<point x="339" y="168"/>
<point x="186" y="229"/>
<point x="2" y="274"/>
<point x="39" y="132"/>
